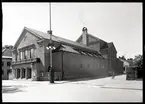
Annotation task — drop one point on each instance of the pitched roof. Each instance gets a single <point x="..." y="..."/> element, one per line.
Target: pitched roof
<point x="3" y="50"/>
<point x="68" y="49"/>
<point x="124" y="61"/>
<point x="73" y="50"/>
<point x="7" y="52"/>
<point x="59" y="39"/>
<point x="102" y="46"/>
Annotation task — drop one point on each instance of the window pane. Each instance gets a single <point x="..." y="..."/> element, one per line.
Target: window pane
<point x="21" y="55"/>
<point x="18" y="57"/>
<point x="83" y="53"/>
<point x="31" y="53"/>
<point x="26" y="53"/>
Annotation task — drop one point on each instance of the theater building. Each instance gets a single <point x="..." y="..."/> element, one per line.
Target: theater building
<point x="89" y="56"/>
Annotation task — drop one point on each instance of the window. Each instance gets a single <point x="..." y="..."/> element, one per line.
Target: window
<point x="83" y="53"/>
<point x="25" y="54"/>
<point x="2" y="63"/>
<point x="42" y="74"/>
<point x="15" y="58"/>
<point x="18" y="57"/>
<point x="95" y="55"/>
<point x="9" y="64"/>
<point x="32" y="53"/>
<point x="21" y="55"/>
<point x="89" y="54"/>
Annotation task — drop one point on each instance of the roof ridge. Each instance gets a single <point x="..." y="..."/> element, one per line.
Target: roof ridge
<point x="33" y="31"/>
<point x="97" y="37"/>
<point x="60" y="39"/>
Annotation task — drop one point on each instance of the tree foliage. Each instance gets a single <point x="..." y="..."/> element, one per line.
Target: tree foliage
<point x="138" y="61"/>
<point x="122" y="57"/>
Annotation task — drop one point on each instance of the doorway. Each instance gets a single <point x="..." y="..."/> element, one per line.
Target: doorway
<point x="29" y="71"/>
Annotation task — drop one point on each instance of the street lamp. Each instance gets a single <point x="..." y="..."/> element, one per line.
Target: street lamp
<point x="50" y="47"/>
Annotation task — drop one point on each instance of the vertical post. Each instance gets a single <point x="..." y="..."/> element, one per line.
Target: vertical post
<point x="50" y="14"/>
<point x="50" y="46"/>
<point x="21" y="73"/>
<point x="16" y="73"/>
<point x="26" y="73"/>
<point x="62" y="72"/>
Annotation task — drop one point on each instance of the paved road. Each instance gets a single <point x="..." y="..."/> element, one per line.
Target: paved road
<point x="96" y="90"/>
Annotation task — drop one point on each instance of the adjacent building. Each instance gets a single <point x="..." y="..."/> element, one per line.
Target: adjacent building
<point x="89" y="56"/>
<point x="126" y="63"/>
<point x="7" y="63"/>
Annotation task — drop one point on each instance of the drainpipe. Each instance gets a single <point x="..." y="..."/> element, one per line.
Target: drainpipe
<point x="62" y="72"/>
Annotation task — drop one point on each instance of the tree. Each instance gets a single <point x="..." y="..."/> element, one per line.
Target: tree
<point x="8" y="46"/>
<point x="138" y="61"/>
<point x="122" y="57"/>
<point x="130" y="60"/>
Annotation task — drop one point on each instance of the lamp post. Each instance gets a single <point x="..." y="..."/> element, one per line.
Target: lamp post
<point x="50" y="47"/>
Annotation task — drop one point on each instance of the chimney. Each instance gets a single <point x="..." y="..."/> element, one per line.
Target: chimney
<point x="84" y="36"/>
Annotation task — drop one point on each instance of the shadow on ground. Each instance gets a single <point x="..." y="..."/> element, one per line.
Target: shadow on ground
<point x="90" y="78"/>
<point x="81" y="79"/>
<point x="139" y="79"/>
<point x="12" y="88"/>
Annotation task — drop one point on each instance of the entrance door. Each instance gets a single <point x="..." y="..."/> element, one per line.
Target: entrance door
<point x="23" y="73"/>
<point x="29" y="71"/>
<point x="18" y="73"/>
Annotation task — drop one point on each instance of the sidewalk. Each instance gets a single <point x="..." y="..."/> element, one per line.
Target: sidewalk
<point x="119" y="82"/>
<point x="120" y="86"/>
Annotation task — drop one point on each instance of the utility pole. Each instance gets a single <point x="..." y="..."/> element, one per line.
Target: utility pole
<point x="50" y="47"/>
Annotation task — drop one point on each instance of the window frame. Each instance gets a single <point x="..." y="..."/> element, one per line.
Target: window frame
<point x="8" y="62"/>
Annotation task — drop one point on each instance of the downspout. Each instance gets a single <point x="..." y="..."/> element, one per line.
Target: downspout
<point x="62" y="73"/>
<point x="108" y="63"/>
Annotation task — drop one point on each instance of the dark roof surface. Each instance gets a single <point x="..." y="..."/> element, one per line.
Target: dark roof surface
<point x="61" y="40"/>
<point x="73" y="50"/>
<point x="7" y="52"/>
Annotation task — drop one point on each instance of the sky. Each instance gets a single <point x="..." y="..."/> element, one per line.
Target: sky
<point x="120" y="23"/>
